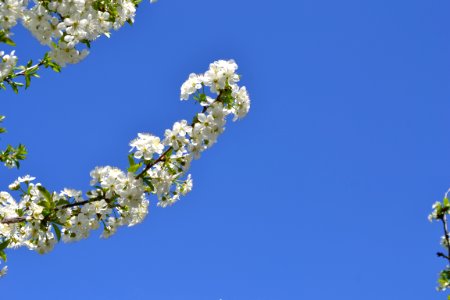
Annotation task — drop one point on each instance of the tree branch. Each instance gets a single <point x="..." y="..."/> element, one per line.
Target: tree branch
<point x="23" y="72"/>
<point x="149" y="165"/>
<point x="13" y="220"/>
<point x="161" y="158"/>
<point x="447" y="238"/>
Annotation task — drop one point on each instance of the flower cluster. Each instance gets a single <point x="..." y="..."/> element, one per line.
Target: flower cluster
<point x="10" y="12"/>
<point x="41" y="218"/>
<point x="439" y="213"/>
<point x="66" y="26"/>
<point x="7" y="64"/>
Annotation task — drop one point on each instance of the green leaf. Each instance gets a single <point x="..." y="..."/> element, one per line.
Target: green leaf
<point x="149" y="184"/>
<point x="61" y="202"/>
<point x="57" y="231"/>
<point x="27" y="81"/>
<point x="5" y="39"/>
<point x="134" y="168"/>
<point x="20" y="212"/>
<point x="131" y="160"/>
<point x="45" y="193"/>
<point x="46" y="212"/>
<point x="3" y="255"/>
<point x="4" y="245"/>
<point x="14" y="87"/>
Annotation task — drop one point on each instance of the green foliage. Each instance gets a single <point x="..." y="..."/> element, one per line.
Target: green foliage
<point x="28" y="71"/>
<point x="439" y="213"/>
<point x="4" y="38"/>
<point x="48" y="63"/>
<point x="134" y="167"/>
<point x="57" y="231"/>
<point x="226" y="97"/>
<point x="107" y="6"/>
<point x="11" y="157"/>
<point x="3" y="246"/>
<point x="444" y="279"/>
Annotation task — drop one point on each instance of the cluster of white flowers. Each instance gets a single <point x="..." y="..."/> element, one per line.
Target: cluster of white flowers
<point x="146" y="145"/>
<point x="436" y="212"/>
<point x="10" y="11"/>
<point x="66" y="25"/>
<point x="7" y="64"/>
<point x="220" y="76"/>
<point x="440" y="213"/>
<point x="41" y="218"/>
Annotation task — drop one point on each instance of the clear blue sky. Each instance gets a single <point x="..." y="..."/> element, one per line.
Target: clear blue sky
<point x="322" y="192"/>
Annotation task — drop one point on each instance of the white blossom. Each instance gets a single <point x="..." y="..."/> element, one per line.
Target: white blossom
<point x="7" y="64"/>
<point x="146" y="146"/>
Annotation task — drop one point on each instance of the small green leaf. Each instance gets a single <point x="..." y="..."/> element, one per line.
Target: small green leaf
<point x="149" y="184"/>
<point x="131" y="160"/>
<point x="134" y="168"/>
<point x="57" y="231"/>
<point x="5" y="39"/>
<point x="61" y="202"/>
<point x="45" y="193"/>
<point x="27" y="81"/>
<point x="14" y="87"/>
<point x="4" y="245"/>
<point x="3" y="255"/>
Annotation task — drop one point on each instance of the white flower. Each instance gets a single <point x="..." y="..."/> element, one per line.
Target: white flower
<point x="191" y="85"/>
<point x="220" y="74"/>
<point x="26" y="178"/>
<point x="242" y="103"/>
<point x="146" y="146"/>
<point x="3" y="271"/>
<point x="176" y="137"/>
<point x="7" y="64"/>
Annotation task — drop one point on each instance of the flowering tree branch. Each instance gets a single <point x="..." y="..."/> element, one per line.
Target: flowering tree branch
<point x="157" y="166"/>
<point x="446" y="237"/>
<point x="67" y="27"/>
<point x="40" y="218"/>
<point x="169" y="150"/>
<point x="12" y="156"/>
<point x="439" y="213"/>
<point x="161" y="158"/>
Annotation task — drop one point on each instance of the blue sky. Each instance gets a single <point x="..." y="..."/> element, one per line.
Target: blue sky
<point x="322" y="192"/>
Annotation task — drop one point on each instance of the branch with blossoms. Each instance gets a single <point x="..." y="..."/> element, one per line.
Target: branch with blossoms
<point x="440" y="212"/>
<point x="67" y="27"/>
<point x="12" y="156"/>
<point x="41" y="218"/>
